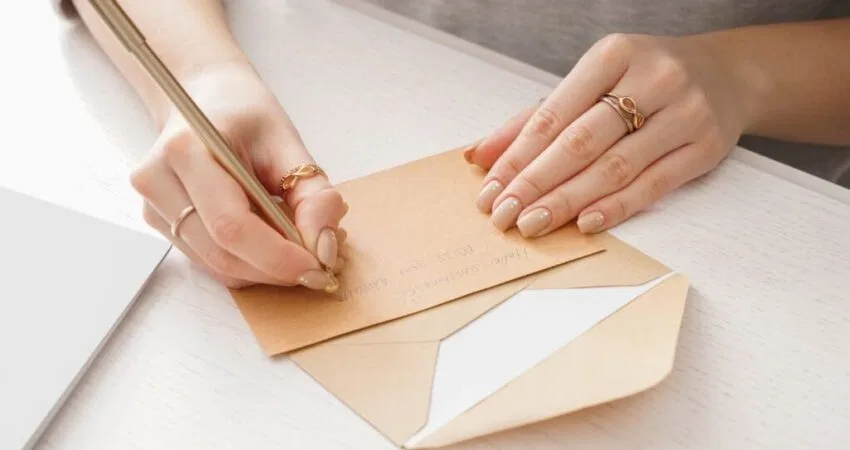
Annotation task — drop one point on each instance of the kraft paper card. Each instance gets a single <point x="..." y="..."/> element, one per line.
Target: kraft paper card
<point x="590" y="331"/>
<point x="415" y="241"/>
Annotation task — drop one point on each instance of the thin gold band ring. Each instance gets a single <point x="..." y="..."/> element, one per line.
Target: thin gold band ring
<point x="175" y="227"/>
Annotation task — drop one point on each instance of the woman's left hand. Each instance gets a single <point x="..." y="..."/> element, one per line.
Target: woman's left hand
<point x="573" y="156"/>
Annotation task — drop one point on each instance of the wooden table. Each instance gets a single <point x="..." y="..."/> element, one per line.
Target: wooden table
<point x="764" y="357"/>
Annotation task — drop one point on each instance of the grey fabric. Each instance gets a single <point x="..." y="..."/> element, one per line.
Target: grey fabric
<point x="553" y="34"/>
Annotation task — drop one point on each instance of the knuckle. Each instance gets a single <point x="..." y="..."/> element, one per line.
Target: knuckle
<point x="698" y="112"/>
<point x="619" y="208"/>
<point x="143" y="180"/>
<point x="658" y="187"/>
<point x="563" y="205"/>
<point x="220" y="261"/>
<point x="711" y="151"/>
<point x="578" y="143"/>
<point x="332" y="198"/>
<point x="178" y="147"/>
<point x="544" y="123"/>
<point x="616" y="44"/>
<point x="616" y="170"/>
<point x="333" y="201"/>
<point x="234" y="283"/>
<point x="712" y="143"/>
<point x="327" y="199"/>
<point x="150" y="216"/>
<point x="612" y="52"/>
<point x="228" y="229"/>
<point x="282" y="268"/>
<point x="670" y="74"/>
<point x="531" y="186"/>
<point x="697" y="102"/>
<point x="507" y="169"/>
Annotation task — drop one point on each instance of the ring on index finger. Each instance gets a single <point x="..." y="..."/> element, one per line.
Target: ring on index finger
<point x="627" y="108"/>
<point x="293" y="175"/>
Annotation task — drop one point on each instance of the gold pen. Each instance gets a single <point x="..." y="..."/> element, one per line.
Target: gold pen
<point x="128" y="33"/>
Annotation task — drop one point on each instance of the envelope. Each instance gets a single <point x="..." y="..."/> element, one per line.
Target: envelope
<point x="415" y="241"/>
<point x="586" y="332"/>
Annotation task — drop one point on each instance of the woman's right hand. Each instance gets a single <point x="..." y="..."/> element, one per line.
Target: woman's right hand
<point x="222" y="234"/>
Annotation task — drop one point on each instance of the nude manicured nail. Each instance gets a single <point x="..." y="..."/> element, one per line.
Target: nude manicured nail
<point x="326" y="247"/>
<point x="467" y="155"/>
<point x="590" y="223"/>
<point x="488" y="195"/>
<point x="315" y="279"/>
<point x="506" y="213"/>
<point x="533" y="223"/>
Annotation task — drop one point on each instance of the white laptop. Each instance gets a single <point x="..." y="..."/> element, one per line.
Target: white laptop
<point x="67" y="281"/>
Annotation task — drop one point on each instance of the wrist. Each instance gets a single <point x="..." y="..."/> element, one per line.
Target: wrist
<point x="748" y="85"/>
<point x="203" y="81"/>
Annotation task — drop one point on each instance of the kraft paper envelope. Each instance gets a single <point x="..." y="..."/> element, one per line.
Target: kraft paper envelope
<point x="587" y="332"/>
<point x="415" y="241"/>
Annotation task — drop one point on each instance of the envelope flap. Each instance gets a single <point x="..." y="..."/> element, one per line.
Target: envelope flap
<point x="388" y="385"/>
<point x="619" y="265"/>
<point x="436" y="323"/>
<point x="630" y="351"/>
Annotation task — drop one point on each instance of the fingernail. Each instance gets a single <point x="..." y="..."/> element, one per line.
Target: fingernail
<point x="344" y="208"/>
<point x="467" y="154"/>
<point x="506" y="213"/>
<point x="326" y="247"/>
<point x="533" y="223"/>
<point x="315" y="279"/>
<point x="485" y="199"/>
<point x="341" y="234"/>
<point x="590" y="223"/>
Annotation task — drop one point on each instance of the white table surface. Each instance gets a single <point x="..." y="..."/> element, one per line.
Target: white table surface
<point x="764" y="357"/>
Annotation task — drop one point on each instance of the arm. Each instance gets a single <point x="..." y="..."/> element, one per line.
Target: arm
<point x="189" y="35"/>
<point x="574" y="157"/>
<point x="796" y="78"/>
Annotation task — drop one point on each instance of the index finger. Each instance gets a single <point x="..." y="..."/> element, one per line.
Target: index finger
<point x="318" y="207"/>
<point x="595" y="74"/>
<point x="486" y="152"/>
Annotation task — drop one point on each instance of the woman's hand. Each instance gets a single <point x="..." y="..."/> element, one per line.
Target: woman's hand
<point x="573" y="157"/>
<point x="223" y="234"/>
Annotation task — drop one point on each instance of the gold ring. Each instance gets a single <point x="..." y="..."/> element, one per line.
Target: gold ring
<point x="627" y="108"/>
<point x="298" y="172"/>
<point x="614" y="104"/>
<point x="180" y="218"/>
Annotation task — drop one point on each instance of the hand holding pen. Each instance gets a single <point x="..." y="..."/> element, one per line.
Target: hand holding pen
<point x="209" y="178"/>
